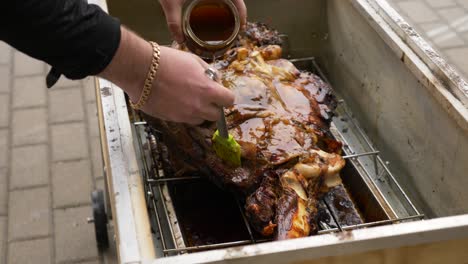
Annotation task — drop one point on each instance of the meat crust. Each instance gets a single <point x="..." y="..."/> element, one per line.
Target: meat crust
<point x="281" y="119"/>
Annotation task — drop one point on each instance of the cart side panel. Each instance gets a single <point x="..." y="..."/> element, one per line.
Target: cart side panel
<point x="407" y="122"/>
<point x="438" y="238"/>
<point x="452" y="251"/>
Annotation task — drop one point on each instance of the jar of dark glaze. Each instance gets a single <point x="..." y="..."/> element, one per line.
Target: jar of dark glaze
<point x="210" y="27"/>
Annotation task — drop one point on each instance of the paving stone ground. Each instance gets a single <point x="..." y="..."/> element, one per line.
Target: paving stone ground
<point x="444" y="23"/>
<point x="50" y="161"/>
<point x="50" y="157"/>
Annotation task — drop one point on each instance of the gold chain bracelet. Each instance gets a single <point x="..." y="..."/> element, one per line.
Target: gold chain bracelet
<point x="149" y="78"/>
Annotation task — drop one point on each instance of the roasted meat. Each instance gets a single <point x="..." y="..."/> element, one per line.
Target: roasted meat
<point x="281" y="119"/>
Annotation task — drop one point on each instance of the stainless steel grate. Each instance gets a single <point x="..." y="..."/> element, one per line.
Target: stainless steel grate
<point x="358" y="149"/>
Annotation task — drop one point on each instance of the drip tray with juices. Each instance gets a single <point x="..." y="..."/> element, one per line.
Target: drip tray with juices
<point x="206" y="214"/>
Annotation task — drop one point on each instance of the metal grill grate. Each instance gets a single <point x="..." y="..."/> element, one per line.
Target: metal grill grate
<point x="358" y="149"/>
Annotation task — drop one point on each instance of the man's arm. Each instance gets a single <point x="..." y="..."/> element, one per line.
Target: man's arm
<point x="173" y="11"/>
<point x="80" y="40"/>
<point x="181" y="91"/>
<point x="76" y="38"/>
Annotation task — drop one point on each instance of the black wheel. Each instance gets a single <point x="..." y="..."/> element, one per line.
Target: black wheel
<point x="100" y="219"/>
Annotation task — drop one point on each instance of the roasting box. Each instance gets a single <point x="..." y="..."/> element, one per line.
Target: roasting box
<point x="402" y="115"/>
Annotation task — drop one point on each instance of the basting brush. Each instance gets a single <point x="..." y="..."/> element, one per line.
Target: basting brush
<point x="225" y="146"/>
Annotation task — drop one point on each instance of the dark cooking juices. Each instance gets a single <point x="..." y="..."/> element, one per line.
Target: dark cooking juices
<point x="212" y="22"/>
<point x="210" y="26"/>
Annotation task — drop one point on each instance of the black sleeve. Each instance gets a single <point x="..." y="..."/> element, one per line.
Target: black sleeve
<point x="76" y="38"/>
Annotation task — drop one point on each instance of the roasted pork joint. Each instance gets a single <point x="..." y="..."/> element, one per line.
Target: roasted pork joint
<point x="281" y="120"/>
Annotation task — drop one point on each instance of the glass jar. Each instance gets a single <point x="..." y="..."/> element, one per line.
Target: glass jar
<point x="210" y="27"/>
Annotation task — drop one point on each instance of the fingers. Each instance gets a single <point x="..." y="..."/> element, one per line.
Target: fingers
<point x="173" y="10"/>
<point x="202" y="62"/>
<point x="220" y="95"/>
<point x="217" y="94"/>
<point x="211" y="112"/>
<point x="191" y="97"/>
<point x="194" y="121"/>
<point x="242" y="11"/>
<point x="182" y="118"/>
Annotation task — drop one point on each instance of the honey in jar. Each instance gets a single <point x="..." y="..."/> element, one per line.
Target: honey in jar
<point x="210" y="26"/>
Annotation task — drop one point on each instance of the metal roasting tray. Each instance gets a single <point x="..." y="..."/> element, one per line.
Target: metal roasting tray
<point x="374" y="187"/>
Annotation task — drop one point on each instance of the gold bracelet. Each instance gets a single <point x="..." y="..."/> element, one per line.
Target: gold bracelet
<point x="149" y="78"/>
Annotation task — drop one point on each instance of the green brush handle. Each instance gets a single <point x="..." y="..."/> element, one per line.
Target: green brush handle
<point x="227" y="149"/>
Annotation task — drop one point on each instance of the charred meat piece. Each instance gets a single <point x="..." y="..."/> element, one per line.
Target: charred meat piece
<point x="260" y="34"/>
<point x="292" y="215"/>
<point x="341" y="205"/>
<point x="281" y="119"/>
<point x="261" y="204"/>
<point x="301" y="187"/>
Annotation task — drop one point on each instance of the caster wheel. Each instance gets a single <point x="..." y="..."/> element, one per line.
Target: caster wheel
<point x="100" y="219"/>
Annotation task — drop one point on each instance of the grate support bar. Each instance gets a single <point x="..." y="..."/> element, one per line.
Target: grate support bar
<point x="247" y="225"/>
<point x="150" y="193"/>
<point x="212" y="246"/>
<point x="321" y="232"/>
<point x="366" y="139"/>
<point x="361" y="155"/>
<point x="376" y="223"/>
<point x="170" y="179"/>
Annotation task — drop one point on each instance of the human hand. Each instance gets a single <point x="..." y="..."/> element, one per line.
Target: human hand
<point x="173" y="11"/>
<point x="182" y="92"/>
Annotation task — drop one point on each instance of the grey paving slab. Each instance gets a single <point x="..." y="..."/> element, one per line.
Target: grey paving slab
<point x="433" y="29"/>
<point x="65" y="82"/>
<point x="92" y="116"/>
<point x="465" y="36"/>
<point x="25" y="65"/>
<point x="463" y="3"/>
<point x="459" y="58"/>
<point x="30" y="183"/>
<point x="71" y="183"/>
<point x="30" y="252"/>
<point x="96" y="157"/>
<point x="453" y="15"/>
<point x="66" y="105"/>
<point x="4" y="110"/>
<point x="4" y="147"/>
<point x="5" y="73"/>
<point x="5" y="53"/>
<point x="418" y="11"/>
<point x="89" y="89"/>
<point x="448" y="33"/>
<point x="29" y="91"/>
<point x="449" y="39"/>
<point x="443" y="3"/>
<point x="3" y="192"/>
<point x="29" y="212"/>
<point x="74" y="237"/>
<point x="29" y="126"/>
<point x="69" y="141"/>
<point x="3" y="239"/>
<point x="29" y="166"/>
<point x="463" y="28"/>
<point x="100" y="184"/>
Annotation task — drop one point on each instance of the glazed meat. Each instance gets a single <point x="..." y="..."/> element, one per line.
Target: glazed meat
<point x="281" y="120"/>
